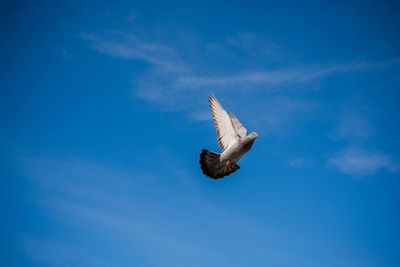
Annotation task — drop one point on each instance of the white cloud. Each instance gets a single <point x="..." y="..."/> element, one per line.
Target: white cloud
<point x="172" y="83"/>
<point x="125" y="207"/>
<point x="58" y="253"/>
<point x="203" y="115"/>
<point x="170" y="78"/>
<point x="130" y="46"/>
<point x="359" y="162"/>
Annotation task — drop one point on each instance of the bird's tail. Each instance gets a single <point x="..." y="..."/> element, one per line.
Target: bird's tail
<point x="212" y="167"/>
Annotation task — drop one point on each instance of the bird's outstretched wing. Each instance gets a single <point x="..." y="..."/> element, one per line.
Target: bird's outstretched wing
<point x="226" y="132"/>
<point x="242" y="132"/>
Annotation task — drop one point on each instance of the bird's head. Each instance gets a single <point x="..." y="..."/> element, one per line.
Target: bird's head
<point x="253" y="136"/>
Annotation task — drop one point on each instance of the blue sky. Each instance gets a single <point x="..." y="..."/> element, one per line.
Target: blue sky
<point x="104" y="113"/>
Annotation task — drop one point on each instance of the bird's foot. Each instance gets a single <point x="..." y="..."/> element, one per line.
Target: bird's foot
<point x="228" y="162"/>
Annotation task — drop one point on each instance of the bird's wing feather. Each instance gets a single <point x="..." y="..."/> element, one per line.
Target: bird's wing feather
<point x="240" y="129"/>
<point x="226" y="132"/>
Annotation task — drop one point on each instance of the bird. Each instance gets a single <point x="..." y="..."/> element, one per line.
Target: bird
<point x="232" y="139"/>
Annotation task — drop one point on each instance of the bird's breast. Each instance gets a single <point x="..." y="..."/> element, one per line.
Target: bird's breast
<point x="235" y="152"/>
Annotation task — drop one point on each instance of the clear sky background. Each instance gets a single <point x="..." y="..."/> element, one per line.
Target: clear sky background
<point x="103" y="111"/>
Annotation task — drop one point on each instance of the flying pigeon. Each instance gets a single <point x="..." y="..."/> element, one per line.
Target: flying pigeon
<point x="232" y="140"/>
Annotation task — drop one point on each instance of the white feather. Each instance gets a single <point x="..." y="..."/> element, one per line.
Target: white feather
<point x="227" y="134"/>
<point x="240" y="129"/>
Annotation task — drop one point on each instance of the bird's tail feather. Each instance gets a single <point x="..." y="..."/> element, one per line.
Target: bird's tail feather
<point x="212" y="167"/>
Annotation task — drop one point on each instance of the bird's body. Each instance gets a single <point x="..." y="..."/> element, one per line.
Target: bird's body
<point x="233" y="142"/>
<point x="236" y="151"/>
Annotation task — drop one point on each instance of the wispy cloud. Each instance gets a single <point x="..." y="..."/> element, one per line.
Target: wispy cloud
<point x="356" y="129"/>
<point x="126" y="203"/>
<point x="201" y="115"/>
<point x="126" y="206"/>
<point x="59" y="254"/>
<point x="359" y="162"/>
<point x="133" y="47"/>
<point x="174" y="83"/>
<point x="273" y="78"/>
